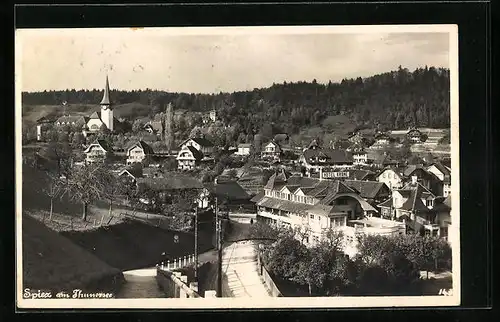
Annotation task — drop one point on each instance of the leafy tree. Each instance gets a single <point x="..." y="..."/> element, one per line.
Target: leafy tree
<point x="138" y="126"/>
<point x="281" y="258"/>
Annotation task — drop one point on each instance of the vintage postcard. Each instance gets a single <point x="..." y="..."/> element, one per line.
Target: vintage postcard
<point x="308" y="167"/>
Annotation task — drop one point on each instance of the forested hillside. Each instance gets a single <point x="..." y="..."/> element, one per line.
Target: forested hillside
<point x="393" y="100"/>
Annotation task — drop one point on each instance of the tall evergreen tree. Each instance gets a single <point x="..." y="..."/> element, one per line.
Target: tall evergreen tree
<point x="169" y="127"/>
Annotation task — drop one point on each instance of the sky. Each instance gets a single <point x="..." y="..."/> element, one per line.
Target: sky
<point x="211" y="60"/>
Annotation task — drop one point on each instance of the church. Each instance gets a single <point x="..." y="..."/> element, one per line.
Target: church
<point x="88" y="124"/>
<point x="105" y="116"/>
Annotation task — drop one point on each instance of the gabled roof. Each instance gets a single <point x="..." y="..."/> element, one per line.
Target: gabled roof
<point x="359" y="174"/>
<point x="398" y="171"/>
<point x="414" y="201"/>
<point x="284" y="205"/>
<point x="135" y="172"/>
<point x="386" y="204"/>
<point x="279" y="178"/>
<point x="336" y="188"/>
<point x="230" y="190"/>
<point x="444" y="170"/>
<point x="95" y="115"/>
<point x="101" y="143"/>
<point x="198" y="155"/>
<point x="412" y="168"/>
<point x="78" y="119"/>
<point x="203" y="142"/>
<point x="366" y="189"/>
<point x="314" y="144"/>
<point x="364" y="205"/>
<point x="258" y="197"/>
<point x="333" y="156"/>
<point x="171" y="181"/>
<point x="244" y="145"/>
<point x="441" y="204"/>
<point x="143" y="145"/>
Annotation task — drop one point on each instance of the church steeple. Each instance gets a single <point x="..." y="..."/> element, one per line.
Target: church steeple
<point x="106" y="110"/>
<point x="105" y="97"/>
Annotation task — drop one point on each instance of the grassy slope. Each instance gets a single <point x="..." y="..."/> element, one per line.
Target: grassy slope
<point x="51" y="261"/>
<point x="132" y="245"/>
<point x="66" y="214"/>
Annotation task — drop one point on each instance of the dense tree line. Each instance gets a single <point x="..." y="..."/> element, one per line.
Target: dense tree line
<point x="396" y="99"/>
<point x="384" y="265"/>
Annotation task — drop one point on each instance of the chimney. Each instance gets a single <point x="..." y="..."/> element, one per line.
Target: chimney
<point x="414" y="179"/>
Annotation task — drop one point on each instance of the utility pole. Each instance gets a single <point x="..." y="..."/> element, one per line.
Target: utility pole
<point x="196" y="242"/>
<point x="218" y="238"/>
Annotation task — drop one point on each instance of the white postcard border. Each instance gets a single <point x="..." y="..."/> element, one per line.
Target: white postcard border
<point x="299" y="302"/>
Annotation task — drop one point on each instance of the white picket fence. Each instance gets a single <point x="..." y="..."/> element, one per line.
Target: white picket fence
<point x="175" y="284"/>
<point x="177" y="263"/>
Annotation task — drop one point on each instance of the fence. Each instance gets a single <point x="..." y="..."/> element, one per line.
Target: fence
<point x="175" y="284"/>
<point x="271" y="286"/>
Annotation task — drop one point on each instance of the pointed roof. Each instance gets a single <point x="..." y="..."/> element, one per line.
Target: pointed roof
<point x="102" y="143"/>
<point x="95" y="115"/>
<point x="105" y="97"/>
<point x="414" y="201"/>
<point x="144" y="146"/>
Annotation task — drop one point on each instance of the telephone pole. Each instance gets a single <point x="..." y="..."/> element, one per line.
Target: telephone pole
<point x="218" y="239"/>
<point x="196" y="242"/>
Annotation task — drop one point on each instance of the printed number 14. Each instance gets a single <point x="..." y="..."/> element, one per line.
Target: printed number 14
<point x="446" y="292"/>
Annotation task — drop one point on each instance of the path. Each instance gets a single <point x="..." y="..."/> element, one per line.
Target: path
<point x="239" y="264"/>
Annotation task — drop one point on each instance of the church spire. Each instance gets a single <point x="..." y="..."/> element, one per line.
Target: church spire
<point x="105" y="97"/>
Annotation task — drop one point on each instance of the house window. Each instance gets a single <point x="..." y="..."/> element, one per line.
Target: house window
<point x="429" y="203"/>
<point x="289" y="196"/>
<point x="311" y="216"/>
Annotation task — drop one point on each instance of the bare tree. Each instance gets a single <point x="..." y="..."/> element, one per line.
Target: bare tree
<point x="53" y="189"/>
<point x="88" y="184"/>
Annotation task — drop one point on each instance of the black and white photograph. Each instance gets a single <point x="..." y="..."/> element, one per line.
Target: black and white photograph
<point x="299" y="166"/>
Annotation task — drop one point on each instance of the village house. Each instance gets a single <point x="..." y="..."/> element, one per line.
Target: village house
<point x="165" y="184"/>
<point x="316" y="206"/>
<point x="230" y="195"/>
<point x="140" y="152"/>
<point x="99" y="151"/>
<point x="194" y="152"/>
<point x="443" y="175"/>
<point x="423" y="177"/>
<point x="154" y="126"/>
<point x="189" y="158"/>
<point x="315" y="158"/>
<point x="271" y="151"/>
<point x="414" y="135"/>
<point x="393" y="177"/>
<point x="243" y="149"/>
<point x="419" y="209"/>
<point x="201" y="144"/>
<point x="382" y="139"/>
<point x="372" y="159"/>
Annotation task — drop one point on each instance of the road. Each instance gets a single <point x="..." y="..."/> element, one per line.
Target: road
<point x="239" y="263"/>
